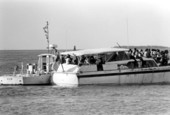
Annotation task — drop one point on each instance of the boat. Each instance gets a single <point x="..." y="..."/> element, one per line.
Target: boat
<point x="36" y="74"/>
<point x="117" y="69"/>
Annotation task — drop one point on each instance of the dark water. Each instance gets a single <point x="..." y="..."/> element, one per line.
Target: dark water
<point x="84" y="100"/>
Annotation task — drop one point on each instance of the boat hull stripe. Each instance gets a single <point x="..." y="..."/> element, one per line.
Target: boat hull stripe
<point x="120" y="73"/>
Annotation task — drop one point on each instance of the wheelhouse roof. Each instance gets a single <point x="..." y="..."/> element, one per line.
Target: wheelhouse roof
<point x="93" y="51"/>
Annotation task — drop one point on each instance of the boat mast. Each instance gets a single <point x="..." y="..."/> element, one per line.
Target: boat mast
<point x="46" y="30"/>
<point x="47" y="37"/>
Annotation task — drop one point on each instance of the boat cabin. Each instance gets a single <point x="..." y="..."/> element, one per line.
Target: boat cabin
<point x="106" y="59"/>
<point x="45" y="62"/>
<point x="95" y="59"/>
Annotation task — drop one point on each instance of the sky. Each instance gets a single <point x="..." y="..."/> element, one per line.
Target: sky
<point x="83" y="23"/>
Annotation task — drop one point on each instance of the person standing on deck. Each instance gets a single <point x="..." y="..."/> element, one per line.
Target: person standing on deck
<point x="99" y="63"/>
<point x="68" y="59"/>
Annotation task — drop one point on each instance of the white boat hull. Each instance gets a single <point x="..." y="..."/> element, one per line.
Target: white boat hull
<point x="65" y="79"/>
<point x="37" y="80"/>
<point x="117" y="77"/>
<point x="11" y="80"/>
<point x="149" y="78"/>
<point x="138" y="76"/>
<point x="25" y="80"/>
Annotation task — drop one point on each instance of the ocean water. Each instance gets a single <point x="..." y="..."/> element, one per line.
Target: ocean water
<point x="84" y="100"/>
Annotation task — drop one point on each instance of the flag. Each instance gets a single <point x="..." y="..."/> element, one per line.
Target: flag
<point x="45" y="29"/>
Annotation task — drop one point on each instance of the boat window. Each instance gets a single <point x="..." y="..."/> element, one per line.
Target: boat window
<point x="139" y="64"/>
<point x="150" y="63"/>
<point x="116" y="56"/>
<point x="43" y="58"/>
<point x="51" y="59"/>
<point x="122" y="55"/>
<point x="130" y="65"/>
<point x="111" y="57"/>
<point x="44" y="66"/>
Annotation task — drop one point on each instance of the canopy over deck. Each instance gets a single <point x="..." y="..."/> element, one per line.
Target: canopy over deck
<point x="52" y="55"/>
<point x="93" y="51"/>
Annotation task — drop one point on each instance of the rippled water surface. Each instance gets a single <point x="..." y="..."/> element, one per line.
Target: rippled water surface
<point x="84" y="100"/>
<point x="36" y="100"/>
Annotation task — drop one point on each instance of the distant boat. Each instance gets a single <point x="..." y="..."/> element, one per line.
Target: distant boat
<point x="35" y="75"/>
<point x="118" y="69"/>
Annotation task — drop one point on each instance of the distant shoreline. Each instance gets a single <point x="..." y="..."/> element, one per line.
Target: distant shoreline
<point x="123" y="46"/>
<point x="145" y="47"/>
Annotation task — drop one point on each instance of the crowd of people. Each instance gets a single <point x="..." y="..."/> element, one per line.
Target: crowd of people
<point x="83" y="60"/>
<point x="161" y="57"/>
